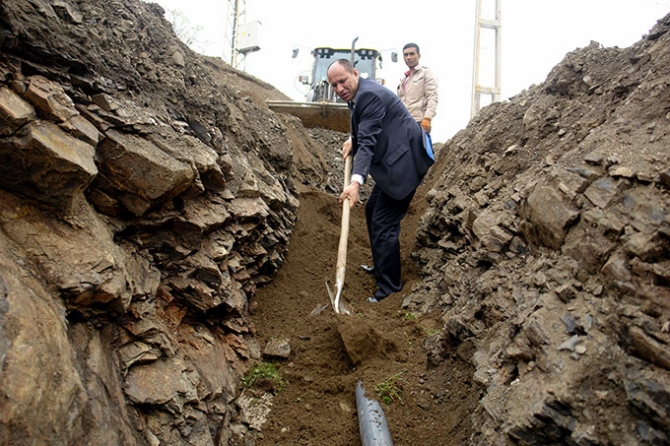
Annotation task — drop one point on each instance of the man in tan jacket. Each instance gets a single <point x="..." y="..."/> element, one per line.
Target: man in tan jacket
<point x="418" y="89"/>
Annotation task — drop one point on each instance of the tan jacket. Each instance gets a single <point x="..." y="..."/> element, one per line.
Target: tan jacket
<point x="420" y="93"/>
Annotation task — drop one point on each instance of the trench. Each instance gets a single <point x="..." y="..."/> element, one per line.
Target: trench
<point x="379" y="344"/>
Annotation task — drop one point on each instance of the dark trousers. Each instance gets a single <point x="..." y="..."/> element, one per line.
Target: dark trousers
<point x="383" y="215"/>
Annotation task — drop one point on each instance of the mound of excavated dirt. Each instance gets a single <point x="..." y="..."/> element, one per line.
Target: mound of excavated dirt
<point x="546" y="244"/>
<point x="363" y="342"/>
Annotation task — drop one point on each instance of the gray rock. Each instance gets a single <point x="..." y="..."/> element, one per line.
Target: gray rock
<point x="278" y="348"/>
<point x="14" y="111"/>
<point x="550" y="214"/>
<point x="45" y="163"/>
<point x="139" y="172"/>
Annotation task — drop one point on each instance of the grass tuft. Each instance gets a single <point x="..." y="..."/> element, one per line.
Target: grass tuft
<point x="265" y="376"/>
<point x="391" y="389"/>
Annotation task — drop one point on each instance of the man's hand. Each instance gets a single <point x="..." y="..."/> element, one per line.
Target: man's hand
<point x="350" y="192"/>
<point x="346" y="148"/>
<point x="426" y="124"/>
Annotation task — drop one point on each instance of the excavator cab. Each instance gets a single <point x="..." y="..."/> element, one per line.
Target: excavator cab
<point x="323" y="108"/>
<point x="366" y="61"/>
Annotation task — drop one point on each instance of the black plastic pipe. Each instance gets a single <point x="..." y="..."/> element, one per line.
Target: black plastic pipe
<point x="371" y="420"/>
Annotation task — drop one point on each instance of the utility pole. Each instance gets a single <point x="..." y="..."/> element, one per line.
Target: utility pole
<point x="493" y="91"/>
<point x="233" y="39"/>
<point x="243" y="36"/>
<point x="234" y="16"/>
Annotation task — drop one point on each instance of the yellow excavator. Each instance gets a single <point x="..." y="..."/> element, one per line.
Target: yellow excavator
<point x="323" y="108"/>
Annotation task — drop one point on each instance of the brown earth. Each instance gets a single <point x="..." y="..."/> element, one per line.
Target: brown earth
<point x="376" y="344"/>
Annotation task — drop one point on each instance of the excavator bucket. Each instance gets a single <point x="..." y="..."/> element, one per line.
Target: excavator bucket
<point x="327" y="115"/>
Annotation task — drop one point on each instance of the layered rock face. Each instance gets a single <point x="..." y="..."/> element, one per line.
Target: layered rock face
<point x="143" y="197"/>
<point x="547" y="247"/>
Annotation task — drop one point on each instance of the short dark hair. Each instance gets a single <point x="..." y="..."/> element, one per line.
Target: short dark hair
<point x="412" y="45"/>
<point x="344" y="63"/>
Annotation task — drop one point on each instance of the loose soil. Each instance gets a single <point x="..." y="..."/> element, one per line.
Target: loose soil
<point x="376" y="344"/>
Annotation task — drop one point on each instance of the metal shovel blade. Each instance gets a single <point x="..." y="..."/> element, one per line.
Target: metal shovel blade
<point x="336" y="303"/>
<point x="331" y="295"/>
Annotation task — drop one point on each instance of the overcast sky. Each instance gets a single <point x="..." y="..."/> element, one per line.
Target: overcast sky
<point x="536" y="35"/>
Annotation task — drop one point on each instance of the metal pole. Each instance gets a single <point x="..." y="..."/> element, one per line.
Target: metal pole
<point x="474" y="104"/>
<point x="477" y="90"/>
<point x="498" y="86"/>
<point x="233" y="41"/>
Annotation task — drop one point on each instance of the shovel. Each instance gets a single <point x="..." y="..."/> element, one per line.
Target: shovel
<point x="335" y="301"/>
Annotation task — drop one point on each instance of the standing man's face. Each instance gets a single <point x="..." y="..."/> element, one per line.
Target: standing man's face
<point x="344" y="84"/>
<point x="411" y="57"/>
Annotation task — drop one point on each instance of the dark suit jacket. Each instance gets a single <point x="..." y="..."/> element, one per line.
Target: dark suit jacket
<point x="387" y="142"/>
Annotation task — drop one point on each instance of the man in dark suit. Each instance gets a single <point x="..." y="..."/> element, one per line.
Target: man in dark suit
<point x="391" y="146"/>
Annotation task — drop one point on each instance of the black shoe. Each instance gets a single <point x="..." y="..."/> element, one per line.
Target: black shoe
<point x="375" y="298"/>
<point x="368" y="269"/>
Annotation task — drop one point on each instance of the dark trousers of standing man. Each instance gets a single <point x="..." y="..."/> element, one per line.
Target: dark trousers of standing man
<point x="383" y="215"/>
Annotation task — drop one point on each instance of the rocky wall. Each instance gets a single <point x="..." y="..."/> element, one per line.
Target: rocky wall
<point x="145" y="192"/>
<point x="546" y="248"/>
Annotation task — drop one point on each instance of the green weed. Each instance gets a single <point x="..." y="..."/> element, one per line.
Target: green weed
<point x="391" y="389"/>
<point x="265" y="376"/>
<point x="408" y="316"/>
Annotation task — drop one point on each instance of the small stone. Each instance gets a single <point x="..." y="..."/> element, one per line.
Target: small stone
<point x="424" y="405"/>
<point x="279" y="348"/>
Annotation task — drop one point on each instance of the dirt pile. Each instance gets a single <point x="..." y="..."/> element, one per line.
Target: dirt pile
<point x="546" y="246"/>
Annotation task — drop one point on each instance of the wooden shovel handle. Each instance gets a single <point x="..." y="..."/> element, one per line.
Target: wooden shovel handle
<point x="344" y="232"/>
<point x="347" y="170"/>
